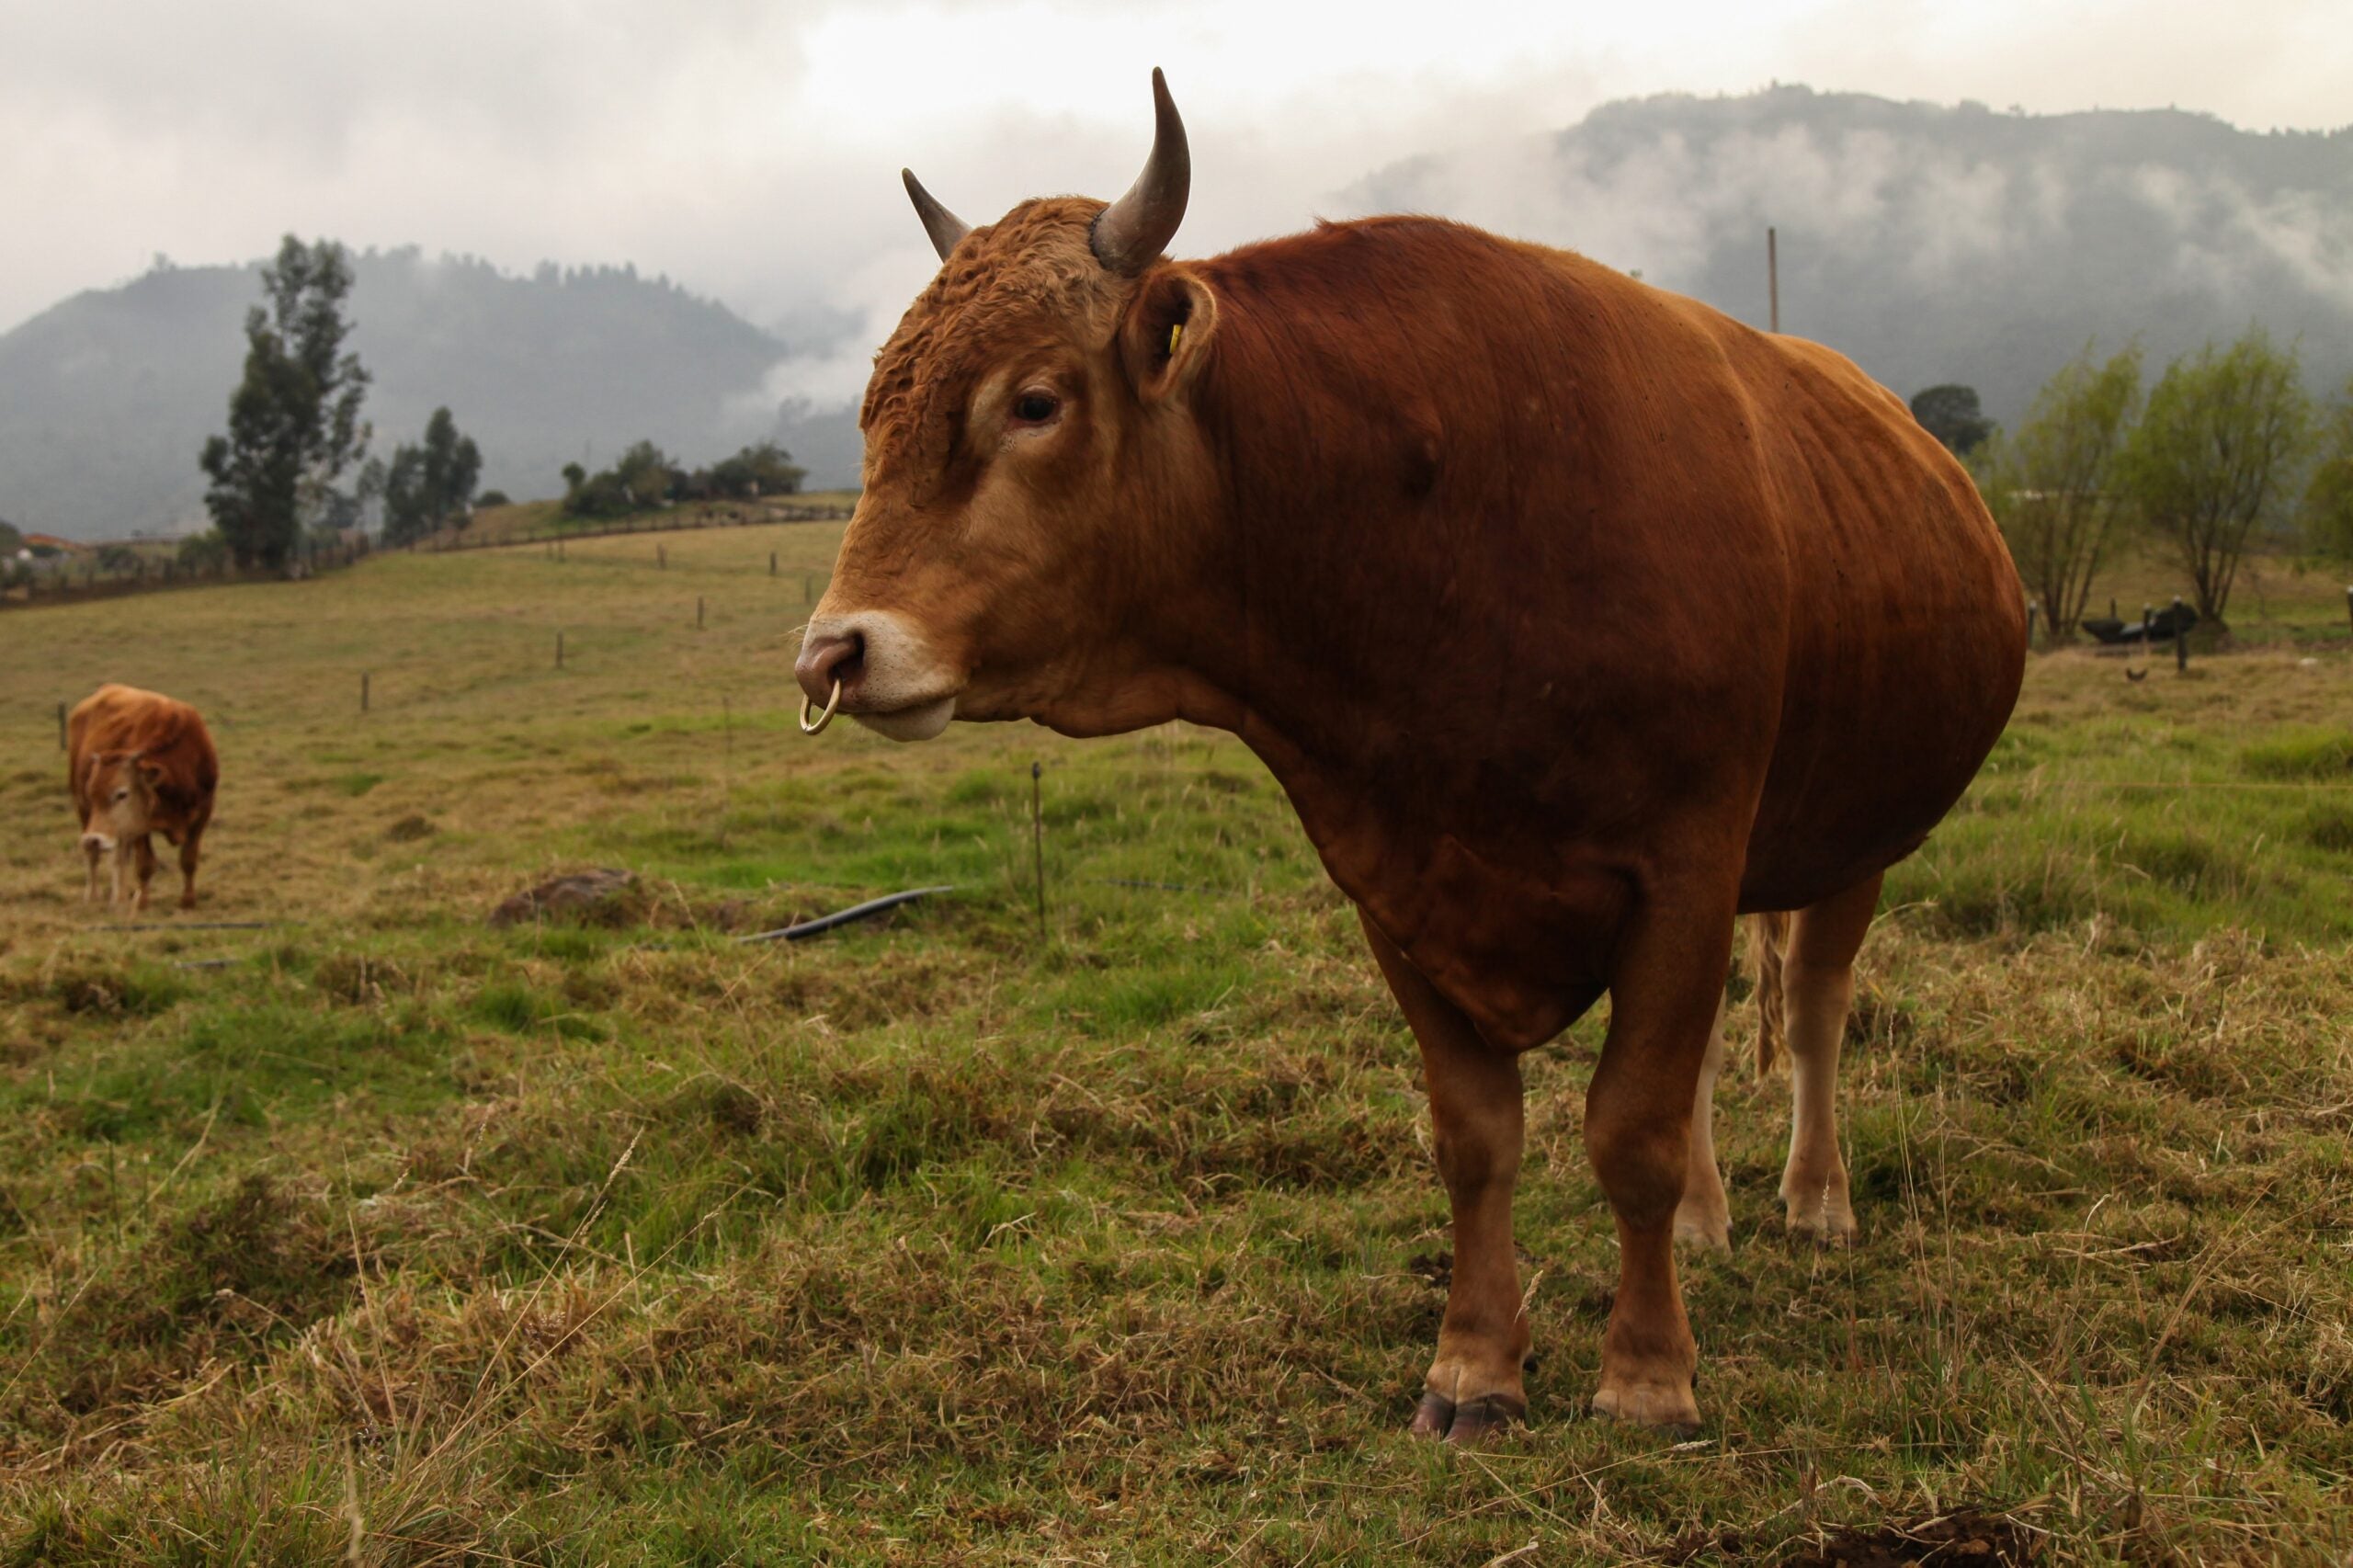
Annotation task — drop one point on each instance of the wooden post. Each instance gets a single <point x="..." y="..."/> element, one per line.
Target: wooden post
<point x="2031" y="609"/>
<point x="1773" y="277"/>
<point x="772" y="570"/>
<point x="559" y="650"/>
<point x="2349" y="601"/>
<point x="2181" y="637"/>
<point x="61" y="726"/>
<point x="1038" y="840"/>
<point x="698" y="612"/>
<point x="662" y="558"/>
<point x="363" y="691"/>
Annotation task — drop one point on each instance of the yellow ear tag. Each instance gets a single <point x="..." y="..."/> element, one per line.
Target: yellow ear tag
<point x="1175" y="333"/>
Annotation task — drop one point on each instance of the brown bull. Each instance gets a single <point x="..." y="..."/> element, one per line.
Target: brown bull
<point x="1574" y="616"/>
<point x="139" y="764"/>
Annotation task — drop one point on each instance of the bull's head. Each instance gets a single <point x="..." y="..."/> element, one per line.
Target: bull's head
<point x="1036" y="486"/>
<point x="122" y="793"/>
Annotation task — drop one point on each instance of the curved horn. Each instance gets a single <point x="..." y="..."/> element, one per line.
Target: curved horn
<point x="944" y="227"/>
<point x="1130" y="234"/>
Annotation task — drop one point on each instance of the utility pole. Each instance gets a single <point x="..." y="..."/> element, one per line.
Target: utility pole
<point x="1773" y="277"/>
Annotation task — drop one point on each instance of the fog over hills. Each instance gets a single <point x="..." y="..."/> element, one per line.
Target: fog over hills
<point x="1931" y="243"/>
<point x="1936" y="243"/>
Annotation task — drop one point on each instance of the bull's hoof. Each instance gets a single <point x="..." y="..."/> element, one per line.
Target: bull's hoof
<point x="1703" y="1227"/>
<point x="1668" y="1406"/>
<point x="1823" y="1217"/>
<point x="1472" y="1421"/>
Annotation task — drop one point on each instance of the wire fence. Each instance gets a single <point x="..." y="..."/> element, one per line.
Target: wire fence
<point x="79" y="582"/>
<point x="653" y="523"/>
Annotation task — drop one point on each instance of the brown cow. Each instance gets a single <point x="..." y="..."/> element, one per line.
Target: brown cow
<point x="139" y="764"/>
<point x="1574" y="616"/>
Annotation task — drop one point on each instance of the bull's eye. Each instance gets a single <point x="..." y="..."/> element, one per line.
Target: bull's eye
<point x="123" y="794"/>
<point x="1036" y="408"/>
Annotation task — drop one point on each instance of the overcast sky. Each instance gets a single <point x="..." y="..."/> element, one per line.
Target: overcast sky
<point x="751" y="150"/>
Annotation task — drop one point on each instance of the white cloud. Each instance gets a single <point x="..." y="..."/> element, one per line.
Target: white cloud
<point x="750" y="149"/>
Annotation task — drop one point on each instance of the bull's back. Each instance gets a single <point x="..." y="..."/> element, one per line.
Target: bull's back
<point x="124" y="718"/>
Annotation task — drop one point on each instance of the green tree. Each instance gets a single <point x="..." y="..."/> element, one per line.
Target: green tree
<point x="762" y="469"/>
<point x="2052" y="484"/>
<point x="1952" y="415"/>
<point x="2211" y="457"/>
<point x="12" y="539"/>
<point x="294" y="421"/>
<point x="452" y="467"/>
<point x="645" y="472"/>
<point x="2328" y="499"/>
<point x="430" y="482"/>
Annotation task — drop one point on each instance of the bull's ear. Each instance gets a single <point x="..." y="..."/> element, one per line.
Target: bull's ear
<point x="1166" y="340"/>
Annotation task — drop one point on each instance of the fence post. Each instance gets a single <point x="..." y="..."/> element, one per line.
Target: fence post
<point x="559" y="650"/>
<point x="662" y="558"/>
<point x="2349" y="601"/>
<point x="2031" y="609"/>
<point x="1038" y="840"/>
<point x="2348" y="593"/>
<point x="61" y="726"/>
<point x="2181" y="637"/>
<point x="698" y="612"/>
<point x="363" y="691"/>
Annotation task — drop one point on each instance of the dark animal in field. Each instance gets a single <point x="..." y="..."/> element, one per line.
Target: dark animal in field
<point x="1575" y="618"/>
<point x="139" y="764"/>
<point x="2163" y="626"/>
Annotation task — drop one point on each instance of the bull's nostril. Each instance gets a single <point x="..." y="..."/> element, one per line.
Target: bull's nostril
<point x="826" y="659"/>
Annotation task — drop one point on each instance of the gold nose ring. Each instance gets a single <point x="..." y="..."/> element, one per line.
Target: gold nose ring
<point x="827" y="716"/>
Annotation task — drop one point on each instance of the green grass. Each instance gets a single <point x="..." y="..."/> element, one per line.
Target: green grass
<point x="952" y="1240"/>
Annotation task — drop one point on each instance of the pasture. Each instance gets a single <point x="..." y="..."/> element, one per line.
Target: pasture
<point x="374" y="1234"/>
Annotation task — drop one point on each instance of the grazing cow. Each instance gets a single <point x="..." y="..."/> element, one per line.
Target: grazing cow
<point x="1574" y="616"/>
<point x="139" y="764"/>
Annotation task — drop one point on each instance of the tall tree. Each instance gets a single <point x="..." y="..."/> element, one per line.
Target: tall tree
<point x="1951" y="414"/>
<point x="294" y="421"/>
<point x="2212" y="455"/>
<point x="430" y="482"/>
<point x="2053" y="485"/>
<point x="2328" y="499"/>
<point x="452" y="467"/>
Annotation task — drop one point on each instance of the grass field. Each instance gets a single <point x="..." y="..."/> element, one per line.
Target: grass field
<point x="388" y="1237"/>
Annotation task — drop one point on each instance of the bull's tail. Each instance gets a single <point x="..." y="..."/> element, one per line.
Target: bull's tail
<point x="1769" y="940"/>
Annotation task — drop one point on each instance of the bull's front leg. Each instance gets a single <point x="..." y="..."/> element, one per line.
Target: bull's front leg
<point x="142" y="854"/>
<point x="92" y="853"/>
<point x="1474" y="1385"/>
<point x="1665" y="994"/>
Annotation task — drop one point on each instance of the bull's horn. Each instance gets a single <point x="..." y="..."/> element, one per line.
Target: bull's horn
<point x="1130" y="234"/>
<point x="944" y="227"/>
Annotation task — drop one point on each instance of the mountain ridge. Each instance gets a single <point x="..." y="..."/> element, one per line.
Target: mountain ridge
<point x="1932" y="243"/>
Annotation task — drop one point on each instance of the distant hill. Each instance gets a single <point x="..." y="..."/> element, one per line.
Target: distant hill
<point x="1936" y="243"/>
<point x="106" y="399"/>
<point x="1932" y="243"/>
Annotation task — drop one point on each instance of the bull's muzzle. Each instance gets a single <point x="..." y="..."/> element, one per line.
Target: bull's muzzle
<point x="96" y="844"/>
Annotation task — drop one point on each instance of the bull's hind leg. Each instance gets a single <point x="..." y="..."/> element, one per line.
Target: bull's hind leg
<point x="1703" y="1218"/>
<point x="1664" y="996"/>
<point x="188" y="868"/>
<point x="1474" y="1385"/>
<point x="1817" y="987"/>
